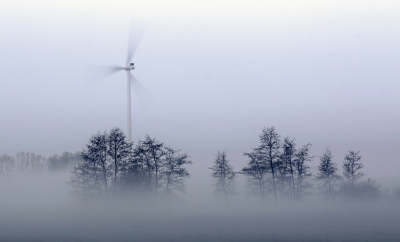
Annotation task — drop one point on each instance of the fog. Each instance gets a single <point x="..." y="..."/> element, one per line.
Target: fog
<point x="322" y="72"/>
<point x="39" y="208"/>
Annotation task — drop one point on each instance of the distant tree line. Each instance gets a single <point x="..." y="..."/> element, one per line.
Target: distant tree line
<point x="22" y="162"/>
<point x="279" y="170"/>
<point x="113" y="166"/>
<point x="28" y="162"/>
<point x="64" y="162"/>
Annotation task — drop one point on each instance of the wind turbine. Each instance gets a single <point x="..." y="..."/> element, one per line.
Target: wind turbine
<point x="135" y="35"/>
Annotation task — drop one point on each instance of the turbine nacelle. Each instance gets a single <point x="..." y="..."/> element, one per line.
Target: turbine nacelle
<point x="130" y="67"/>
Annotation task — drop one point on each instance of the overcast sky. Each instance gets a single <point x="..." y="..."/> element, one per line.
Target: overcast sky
<point x="324" y="72"/>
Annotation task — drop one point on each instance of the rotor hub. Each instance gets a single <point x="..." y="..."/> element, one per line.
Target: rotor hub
<point x="130" y="67"/>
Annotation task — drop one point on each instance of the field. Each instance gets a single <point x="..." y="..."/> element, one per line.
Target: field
<point x="31" y="211"/>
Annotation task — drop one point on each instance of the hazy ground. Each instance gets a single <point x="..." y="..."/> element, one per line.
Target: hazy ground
<point x="39" y="208"/>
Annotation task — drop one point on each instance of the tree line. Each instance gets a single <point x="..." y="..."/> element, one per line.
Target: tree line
<point x="22" y="162"/>
<point x="277" y="169"/>
<point x="30" y="163"/>
<point x="113" y="166"/>
<point x="64" y="162"/>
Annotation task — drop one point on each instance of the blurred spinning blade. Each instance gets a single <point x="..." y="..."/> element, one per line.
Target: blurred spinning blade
<point x="136" y="32"/>
<point x="96" y="73"/>
<point x="143" y="95"/>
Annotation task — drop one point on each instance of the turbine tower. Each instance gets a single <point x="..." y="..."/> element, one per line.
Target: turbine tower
<point x="128" y="69"/>
<point x="135" y="35"/>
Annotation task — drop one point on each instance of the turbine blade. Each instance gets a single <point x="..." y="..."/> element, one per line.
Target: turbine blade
<point x="98" y="72"/>
<point x="136" y="32"/>
<point x="143" y="95"/>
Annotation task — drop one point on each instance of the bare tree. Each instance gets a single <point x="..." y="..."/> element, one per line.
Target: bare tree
<point x="302" y="169"/>
<point x="21" y="161"/>
<point x="351" y="173"/>
<point x="38" y="163"/>
<point x="27" y="162"/>
<point x="65" y="162"/>
<point x="327" y="173"/>
<point x="263" y="160"/>
<point x="256" y="172"/>
<point x="223" y="175"/>
<point x="74" y="160"/>
<point x="137" y="176"/>
<point x="119" y="151"/>
<point x="145" y="165"/>
<point x="153" y="165"/>
<point x="90" y="177"/>
<point x="174" y="172"/>
<point x="270" y="150"/>
<point x="53" y="163"/>
<point x="154" y="153"/>
<point x="7" y="164"/>
<point x="95" y="157"/>
<point x="83" y="178"/>
<point x="286" y="166"/>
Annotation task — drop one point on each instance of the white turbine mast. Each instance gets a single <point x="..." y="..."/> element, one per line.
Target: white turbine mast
<point x="135" y="35"/>
<point x="128" y="69"/>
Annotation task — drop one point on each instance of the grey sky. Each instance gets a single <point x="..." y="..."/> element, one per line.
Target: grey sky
<point x="324" y="72"/>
